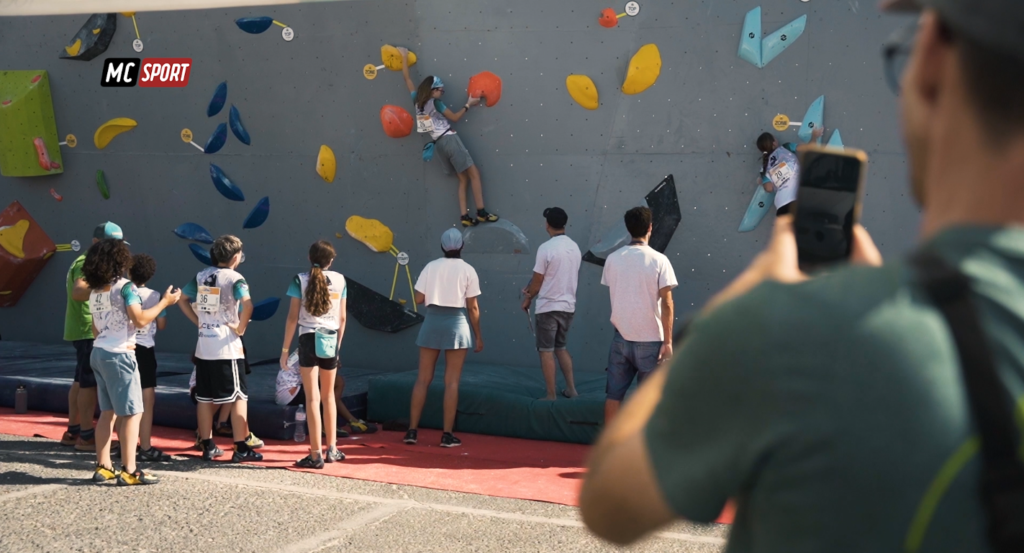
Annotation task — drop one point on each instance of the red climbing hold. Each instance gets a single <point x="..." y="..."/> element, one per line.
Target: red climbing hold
<point x="56" y="196"/>
<point x="486" y="85"/>
<point x="608" y="18"/>
<point x="397" y="122"/>
<point x="43" y="156"/>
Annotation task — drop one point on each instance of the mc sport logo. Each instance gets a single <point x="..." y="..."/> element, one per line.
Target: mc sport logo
<point x="150" y="72"/>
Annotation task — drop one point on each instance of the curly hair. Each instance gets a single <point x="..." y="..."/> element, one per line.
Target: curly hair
<point x="106" y="261"/>
<point x="143" y="269"/>
<point x="318" y="294"/>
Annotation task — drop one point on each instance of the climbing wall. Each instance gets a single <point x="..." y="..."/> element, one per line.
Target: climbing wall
<point x="537" y="147"/>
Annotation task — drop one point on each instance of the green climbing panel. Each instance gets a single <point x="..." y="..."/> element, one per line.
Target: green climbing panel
<point x="29" y="146"/>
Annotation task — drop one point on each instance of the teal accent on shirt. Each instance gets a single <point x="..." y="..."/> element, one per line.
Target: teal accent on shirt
<point x="190" y="290"/>
<point x="162" y="314"/>
<point x="790" y="146"/>
<point x="295" y="288"/>
<point x="344" y="291"/>
<point x="241" y="289"/>
<point x="438" y="104"/>
<point x="130" y="293"/>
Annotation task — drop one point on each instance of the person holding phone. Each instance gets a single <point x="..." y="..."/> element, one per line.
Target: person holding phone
<point x="792" y="391"/>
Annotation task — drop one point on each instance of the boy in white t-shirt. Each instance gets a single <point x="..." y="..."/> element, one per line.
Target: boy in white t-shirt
<point x="640" y="281"/>
<point x="143" y="269"/>
<point x="216" y="294"/>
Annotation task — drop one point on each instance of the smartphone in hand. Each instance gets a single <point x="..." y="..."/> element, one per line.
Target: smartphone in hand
<point x="828" y="204"/>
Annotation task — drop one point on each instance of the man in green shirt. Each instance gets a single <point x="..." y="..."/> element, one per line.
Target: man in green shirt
<point x="832" y="409"/>
<point x="78" y="331"/>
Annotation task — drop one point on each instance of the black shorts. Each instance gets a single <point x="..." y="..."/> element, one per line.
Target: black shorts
<point x="220" y="381"/>
<point x="784" y="210"/>
<point x="83" y="370"/>
<point x="307" y="354"/>
<point x="553" y="330"/>
<point x="146" y="358"/>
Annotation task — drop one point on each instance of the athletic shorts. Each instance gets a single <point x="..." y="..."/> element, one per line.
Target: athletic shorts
<point x="220" y="381"/>
<point x="307" y="354"/>
<point x="83" y="370"/>
<point x="117" y="382"/>
<point x="454" y="156"/>
<point x="146" y="357"/>
<point x="552" y="330"/>
<point x="628" y="359"/>
<point x="780" y="211"/>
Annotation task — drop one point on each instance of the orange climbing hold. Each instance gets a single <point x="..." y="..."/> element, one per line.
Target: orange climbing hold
<point x="486" y="85"/>
<point x="608" y="18"/>
<point x="396" y="120"/>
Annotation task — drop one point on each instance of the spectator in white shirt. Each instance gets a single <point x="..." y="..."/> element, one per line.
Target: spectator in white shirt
<point x="640" y="281"/>
<point x="555" y="276"/>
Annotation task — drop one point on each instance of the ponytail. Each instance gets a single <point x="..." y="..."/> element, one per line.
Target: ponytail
<point x="318" y="294"/>
<point x="765" y="144"/>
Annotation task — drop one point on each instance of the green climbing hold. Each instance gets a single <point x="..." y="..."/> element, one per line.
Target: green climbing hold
<point x="101" y="183"/>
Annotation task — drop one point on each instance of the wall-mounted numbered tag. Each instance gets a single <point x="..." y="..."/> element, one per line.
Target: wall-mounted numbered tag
<point x="287" y="34"/>
<point x="208" y="299"/>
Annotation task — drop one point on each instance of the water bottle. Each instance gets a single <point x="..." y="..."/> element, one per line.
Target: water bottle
<point x="300" y="424"/>
<point x="21" y="400"/>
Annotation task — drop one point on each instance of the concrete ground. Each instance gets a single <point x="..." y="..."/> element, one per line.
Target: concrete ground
<point x="47" y="504"/>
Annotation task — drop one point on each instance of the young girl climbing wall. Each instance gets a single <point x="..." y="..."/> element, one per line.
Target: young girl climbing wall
<point x="433" y="116"/>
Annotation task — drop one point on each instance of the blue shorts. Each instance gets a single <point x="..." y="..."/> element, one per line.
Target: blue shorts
<point x="445" y="328"/>
<point x="628" y="359"/>
<point x="118" y="385"/>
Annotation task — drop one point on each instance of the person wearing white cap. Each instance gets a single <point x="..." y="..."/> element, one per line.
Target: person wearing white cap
<point x="433" y="116"/>
<point x="449" y="288"/>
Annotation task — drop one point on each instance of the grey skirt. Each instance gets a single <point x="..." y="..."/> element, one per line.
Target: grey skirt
<point x="445" y="328"/>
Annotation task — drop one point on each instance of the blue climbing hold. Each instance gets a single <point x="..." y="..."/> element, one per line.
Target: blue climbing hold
<point x="217" y="102"/>
<point x="254" y="25"/>
<point x="836" y="141"/>
<point x="259" y="214"/>
<point x="265" y="309"/>
<point x="224" y="185"/>
<point x="759" y="206"/>
<point x="192" y="231"/>
<point x="775" y="43"/>
<point x="814" y="119"/>
<point x="217" y="139"/>
<point x="201" y="254"/>
<point x="750" y="40"/>
<point x="236" y="126"/>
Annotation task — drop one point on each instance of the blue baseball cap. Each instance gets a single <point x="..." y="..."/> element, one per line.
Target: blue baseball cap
<point x="451" y="240"/>
<point x="437" y="83"/>
<point x="108" y="230"/>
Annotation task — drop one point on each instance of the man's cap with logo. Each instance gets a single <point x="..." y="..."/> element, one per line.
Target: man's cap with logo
<point x="451" y="240"/>
<point x="108" y="230"/>
<point x="556" y="217"/>
<point x="998" y="24"/>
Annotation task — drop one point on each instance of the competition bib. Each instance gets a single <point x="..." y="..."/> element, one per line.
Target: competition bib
<point x="424" y="123"/>
<point x="142" y="331"/>
<point x="781" y="174"/>
<point x="100" y="303"/>
<point x="208" y="299"/>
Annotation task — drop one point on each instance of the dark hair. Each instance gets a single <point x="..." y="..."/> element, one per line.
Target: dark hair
<point x="453" y="254"/>
<point x="556" y="217"/>
<point x="224" y="248"/>
<point x="143" y="269"/>
<point x="638" y="221"/>
<point x="993" y="81"/>
<point x="424" y="92"/>
<point x="765" y="144"/>
<point x="318" y="294"/>
<point x="106" y="260"/>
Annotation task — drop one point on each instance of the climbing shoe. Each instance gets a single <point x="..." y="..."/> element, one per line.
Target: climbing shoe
<point x="449" y="440"/>
<point x="253" y="442"/>
<point x="223" y="429"/>
<point x="152" y="455"/>
<point x="410" y="437"/>
<point x="211" y="452"/>
<point x="362" y="427"/>
<point x="483" y="217"/>
<point x="308" y="462"/>
<point x="69" y="439"/>
<point x="137" y="478"/>
<point x="103" y="475"/>
<point x="248" y="455"/>
<point x="333" y="456"/>
<point x="468" y="221"/>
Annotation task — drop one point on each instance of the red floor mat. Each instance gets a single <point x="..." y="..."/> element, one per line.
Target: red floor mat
<point x="486" y="465"/>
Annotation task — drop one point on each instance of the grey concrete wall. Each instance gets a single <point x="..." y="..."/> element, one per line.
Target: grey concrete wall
<point x="537" y="148"/>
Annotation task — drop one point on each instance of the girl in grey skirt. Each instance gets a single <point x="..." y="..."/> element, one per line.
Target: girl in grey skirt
<point x="448" y="287"/>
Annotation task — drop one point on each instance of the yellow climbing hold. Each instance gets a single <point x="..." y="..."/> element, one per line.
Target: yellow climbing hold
<point x="326" y="165"/>
<point x="644" y="69"/>
<point x="371" y="232"/>
<point x="583" y="90"/>
<point x="12" y="238"/>
<point x="74" y="48"/>
<point x="112" y="128"/>
<point x="392" y="59"/>
<point x="96" y="31"/>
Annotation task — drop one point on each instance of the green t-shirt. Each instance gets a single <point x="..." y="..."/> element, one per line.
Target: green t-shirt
<point x="77" y="319"/>
<point x="831" y="409"/>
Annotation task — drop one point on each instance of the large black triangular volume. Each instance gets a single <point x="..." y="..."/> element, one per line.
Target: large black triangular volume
<point x="664" y="204"/>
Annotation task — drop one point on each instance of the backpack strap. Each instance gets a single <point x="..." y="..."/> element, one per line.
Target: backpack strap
<point x="1002" y="481"/>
